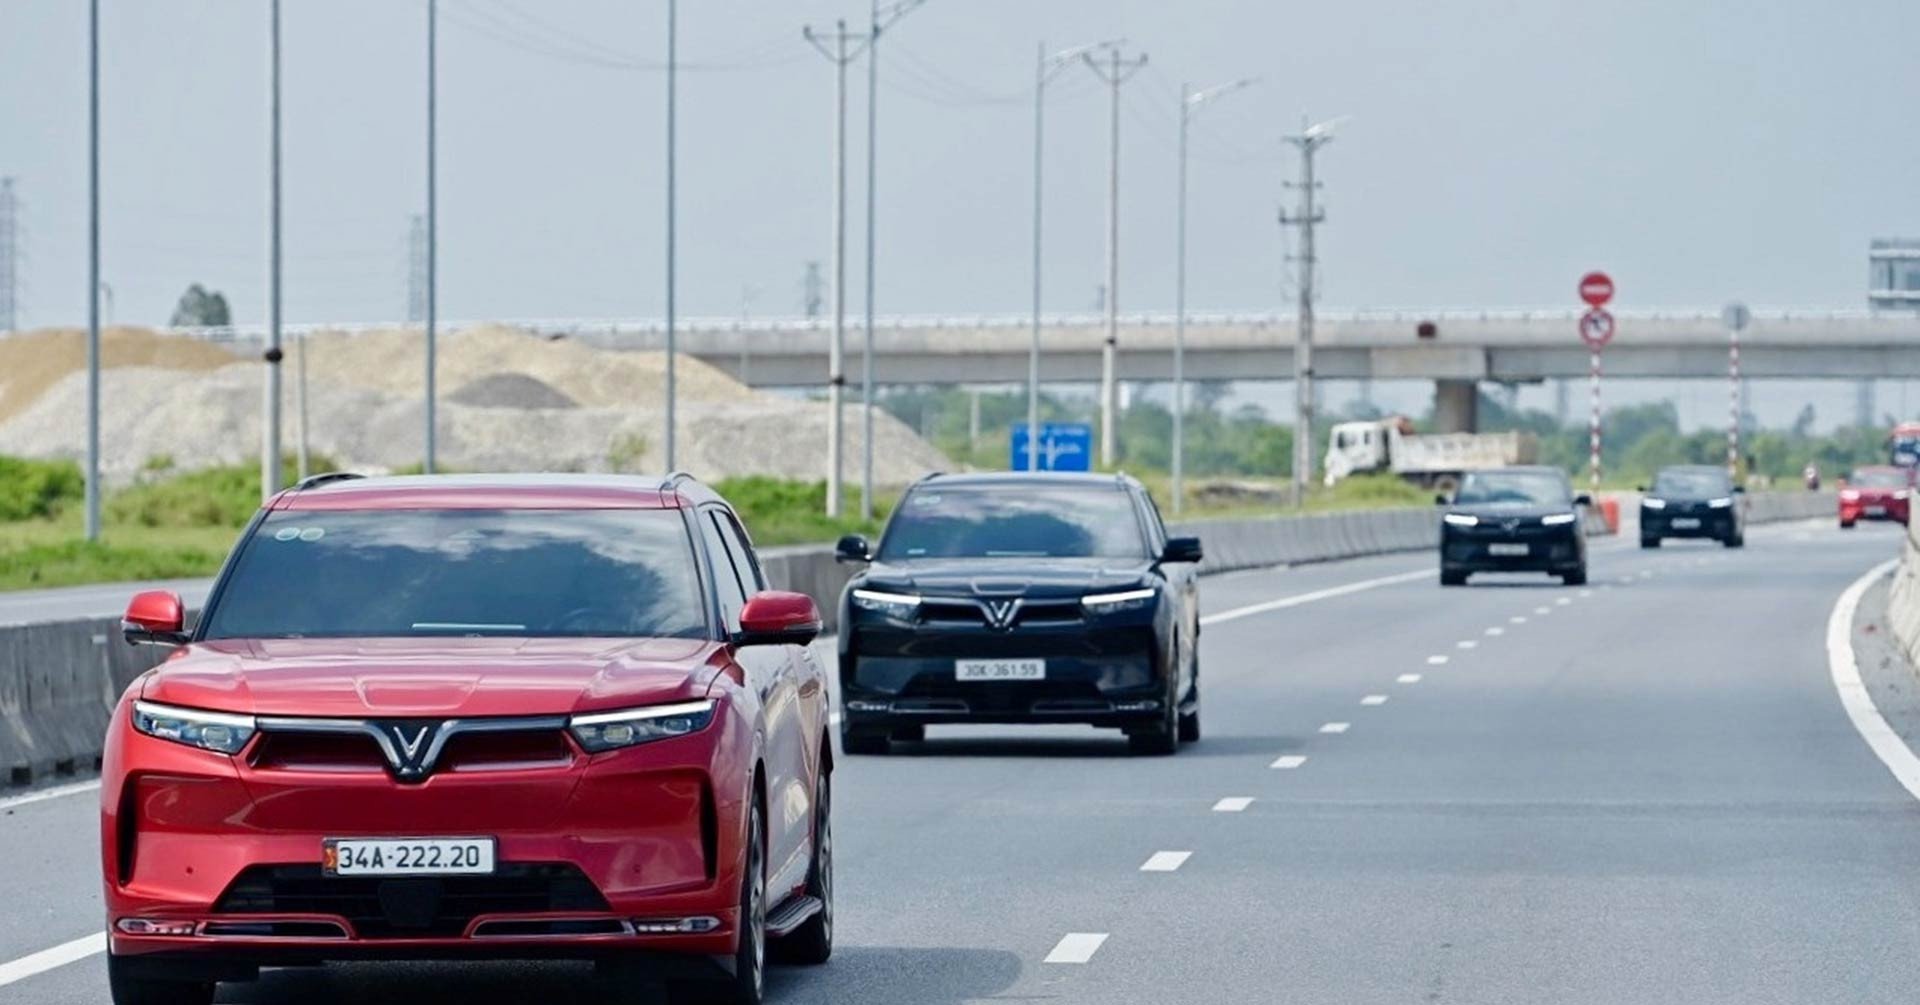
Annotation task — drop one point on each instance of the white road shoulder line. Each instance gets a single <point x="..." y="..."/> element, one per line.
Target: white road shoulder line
<point x="1288" y="762"/>
<point x="1166" y="861"/>
<point x="1336" y="727"/>
<point x="56" y="792"/>
<point x="1076" y="947"/>
<point x="1887" y="744"/>
<point x="52" y="959"/>
<point x="1233" y="804"/>
<point x="1298" y="599"/>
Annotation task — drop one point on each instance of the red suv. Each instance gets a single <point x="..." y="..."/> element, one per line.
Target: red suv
<point x="1876" y="493"/>
<point x="488" y="716"/>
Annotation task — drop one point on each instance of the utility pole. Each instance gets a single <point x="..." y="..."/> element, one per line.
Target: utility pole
<point x="673" y="73"/>
<point x="1309" y="141"/>
<point x="834" y="46"/>
<point x="9" y="257"/>
<point x="1190" y="101"/>
<point x="93" y="270"/>
<point x="270" y="428"/>
<point x="1116" y="72"/>
<point x="433" y="221"/>
<point x="883" y="18"/>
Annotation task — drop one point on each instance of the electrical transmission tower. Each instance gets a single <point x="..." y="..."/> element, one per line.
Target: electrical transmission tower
<point x="9" y="257"/>
<point x="417" y="269"/>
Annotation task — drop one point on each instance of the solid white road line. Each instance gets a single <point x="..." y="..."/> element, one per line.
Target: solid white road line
<point x="1336" y="727"/>
<point x="52" y="959"/>
<point x="1298" y="599"/>
<point x="1437" y="661"/>
<point x="1408" y="678"/>
<point x="1288" y="762"/>
<point x="1166" y="861"/>
<point x="1374" y="699"/>
<point x="56" y="792"/>
<point x="1887" y="745"/>
<point x="1076" y="947"/>
<point x="1233" y="804"/>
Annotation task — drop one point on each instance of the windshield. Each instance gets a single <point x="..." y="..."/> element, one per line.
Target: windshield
<point x="529" y="573"/>
<point x="1015" y="521"/>
<point x="1514" y="488"/>
<point x="1879" y="478"/>
<point x="1692" y="484"/>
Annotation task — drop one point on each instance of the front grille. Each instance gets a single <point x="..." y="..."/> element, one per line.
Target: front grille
<point x="953" y="613"/>
<point x="402" y="908"/>
<point x="352" y="751"/>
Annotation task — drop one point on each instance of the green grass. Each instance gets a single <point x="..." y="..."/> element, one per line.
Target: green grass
<point x="36" y="554"/>
<point x="778" y="511"/>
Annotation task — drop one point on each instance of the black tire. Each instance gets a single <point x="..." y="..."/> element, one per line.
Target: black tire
<point x="860" y="741"/>
<point x="1163" y="737"/>
<point x="1453" y="578"/>
<point x="127" y="989"/>
<point x="1577" y="577"/>
<point x="1846" y="525"/>
<point x="1649" y="542"/>
<point x="1737" y="541"/>
<point x="748" y="985"/>
<point x="812" y="943"/>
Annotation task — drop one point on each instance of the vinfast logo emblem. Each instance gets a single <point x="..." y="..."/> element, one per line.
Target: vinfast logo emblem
<point x="409" y="745"/>
<point x="1000" y="613"/>
<point x="1510" y="524"/>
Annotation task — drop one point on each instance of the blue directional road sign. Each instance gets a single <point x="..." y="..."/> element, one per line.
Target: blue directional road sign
<point x="1064" y="446"/>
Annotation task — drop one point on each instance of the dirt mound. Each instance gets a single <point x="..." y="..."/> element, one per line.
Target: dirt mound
<point x="511" y="390"/>
<point x="31" y="362"/>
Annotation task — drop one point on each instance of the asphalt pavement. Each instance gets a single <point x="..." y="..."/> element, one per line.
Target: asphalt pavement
<point x="1644" y="790"/>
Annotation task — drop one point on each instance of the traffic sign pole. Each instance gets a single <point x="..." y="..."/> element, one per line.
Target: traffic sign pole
<point x="1596" y="330"/>
<point x="1736" y="317"/>
<point x="1593" y="427"/>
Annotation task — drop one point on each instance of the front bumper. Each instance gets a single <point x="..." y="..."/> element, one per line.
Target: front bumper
<point x="587" y="851"/>
<point x="1707" y="522"/>
<point x="1479" y="550"/>
<point x="1895" y="510"/>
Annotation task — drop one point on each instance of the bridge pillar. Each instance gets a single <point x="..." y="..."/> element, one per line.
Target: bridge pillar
<point x="1456" y="406"/>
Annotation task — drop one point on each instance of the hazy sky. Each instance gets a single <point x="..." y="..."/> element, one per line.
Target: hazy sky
<point x="1699" y="149"/>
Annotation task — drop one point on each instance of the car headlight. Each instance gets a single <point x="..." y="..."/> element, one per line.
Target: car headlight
<point x="1850" y="496"/>
<point x="1462" y="519"/>
<point x="604" y="731"/>
<point x="1559" y="519"/>
<point x="1720" y="503"/>
<point x="220" y="732"/>
<point x="1652" y="503"/>
<point x="893" y="605"/>
<point x="1113" y="603"/>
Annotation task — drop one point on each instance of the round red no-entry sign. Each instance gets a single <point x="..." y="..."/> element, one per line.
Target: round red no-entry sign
<point x="1596" y="288"/>
<point x="1596" y="328"/>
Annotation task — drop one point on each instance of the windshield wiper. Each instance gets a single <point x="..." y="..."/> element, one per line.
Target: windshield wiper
<point x="465" y="626"/>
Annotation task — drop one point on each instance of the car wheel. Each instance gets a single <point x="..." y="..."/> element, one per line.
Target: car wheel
<point x="747" y="986"/>
<point x="1452" y="578"/>
<point x="1163" y="737"/>
<point x="1190" y="720"/>
<point x="861" y="741"/>
<point x="1737" y="541"/>
<point x="127" y="989"/>
<point x="1846" y="525"/>
<point x="1649" y="542"/>
<point x="812" y="943"/>
<point x="1577" y="577"/>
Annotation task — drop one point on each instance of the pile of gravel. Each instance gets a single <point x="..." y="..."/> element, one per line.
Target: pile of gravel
<point x="511" y="390"/>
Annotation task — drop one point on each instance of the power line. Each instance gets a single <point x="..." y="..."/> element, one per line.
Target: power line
<point x="508" y="25"/>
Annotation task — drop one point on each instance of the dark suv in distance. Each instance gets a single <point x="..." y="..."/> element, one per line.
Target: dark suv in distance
<point x="1523" y="519"/>
<point x="1694" y="500"/>
<point x="1021" y="598"/>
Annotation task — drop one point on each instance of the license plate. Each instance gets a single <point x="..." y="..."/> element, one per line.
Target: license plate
<point x="989" y="670"/>
<point x="1876" y="511"/>
<point x="407" y="856"/>
<point x="1686" y="523"/>
<point x="1506" y="550"/>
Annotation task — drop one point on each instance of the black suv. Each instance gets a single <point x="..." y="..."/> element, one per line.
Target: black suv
<point x="1021" y="598"/>
<point x="1692" y="501"/>
<point x="1513" y="520"/>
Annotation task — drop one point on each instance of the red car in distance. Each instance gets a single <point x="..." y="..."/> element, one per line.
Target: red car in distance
<point x="474" y="716"/>
<point x="1876" y="493"/>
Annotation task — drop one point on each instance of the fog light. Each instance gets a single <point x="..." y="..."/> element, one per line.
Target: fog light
<point x="1150" y="705"/>
<point x="866" y="706"/>
<point x="675" y="926"/>
<point x="149" y="926"/>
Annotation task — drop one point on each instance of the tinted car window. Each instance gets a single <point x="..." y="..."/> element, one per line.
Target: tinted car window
<point x="1014" y="521"/>
<point x="1692" y="484"/>
<point x="733" y="593"/>
<point x="531" y="573"/>
<point x="1514" y="488"/>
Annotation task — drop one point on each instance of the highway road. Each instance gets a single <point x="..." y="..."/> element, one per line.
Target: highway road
<point x="105" y="600"/>
<point x="1646" y="790"/>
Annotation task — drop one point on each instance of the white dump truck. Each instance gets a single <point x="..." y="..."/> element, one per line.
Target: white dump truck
<point x="1432" y="460"/>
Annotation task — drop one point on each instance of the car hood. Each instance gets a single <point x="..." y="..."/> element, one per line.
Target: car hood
<point x="439" y="677"/>
<point x="1024" y="577"/>
<point x="1530" y="513"/>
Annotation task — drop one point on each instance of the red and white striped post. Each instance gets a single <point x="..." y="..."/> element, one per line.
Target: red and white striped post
<point x="1593" y="427"/>
<point x="1596" y="330"/>
<point x="1735" y="316"/>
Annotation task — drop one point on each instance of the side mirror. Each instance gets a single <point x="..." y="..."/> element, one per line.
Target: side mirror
<point x="853" y="548"/>
<point x="1440" y="499"/>
<point x="1181" y="549"/>
<point x="154" y="618"/>
<point x="778" y="618"/>
<point x="1583" y="499"/>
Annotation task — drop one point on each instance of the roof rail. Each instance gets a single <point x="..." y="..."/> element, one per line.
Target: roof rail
<point x="324" y="478"/>
<point x="674" y="478"/>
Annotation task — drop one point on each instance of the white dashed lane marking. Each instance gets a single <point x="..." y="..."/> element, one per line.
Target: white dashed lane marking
<point x="1374" y="699"/>
<point x="1566" y="601"/>
<point x="1165" y="861"/>
<point x="1437" y="661"/>
<point x="1233" y="804"/>
<point x="1496" y="631"/>
<point x="1542" y="611"/>
<point x="1336" y="727"/>
<point x="1467" y="644"/>
<point x="1408" y="678"/>
<point x="1518" y="619"/>
<point x="1288" y="762"/>
<point x="1076" y="947"/>
<point x="52" y="959"/>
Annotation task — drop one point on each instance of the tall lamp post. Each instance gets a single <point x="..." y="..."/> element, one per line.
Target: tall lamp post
<point x="1116" y="70"/>
<point x="1309" y="141"/>
<point x="835" y="46"/>
<point x="1190" y="102"/>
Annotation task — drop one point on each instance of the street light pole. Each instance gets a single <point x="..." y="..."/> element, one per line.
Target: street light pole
<point x="93" y="271"/>
<point x="1115" y="73"/>
<point x="673" y="73"/>
<point x="270" y="427"/>
<point x="1309" y="142"/>
<point x="433" y="225"/>
<point x="1190" y="101"/>
<point x="834" y="47"/>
